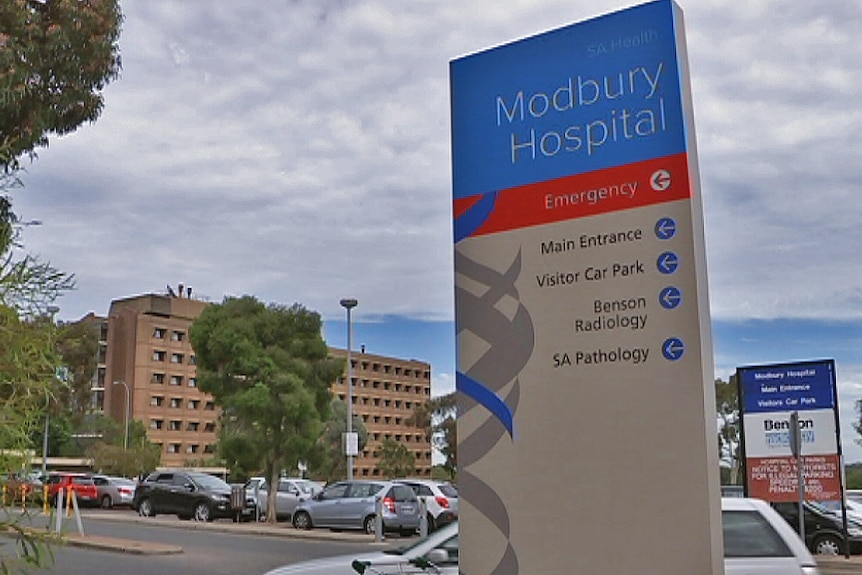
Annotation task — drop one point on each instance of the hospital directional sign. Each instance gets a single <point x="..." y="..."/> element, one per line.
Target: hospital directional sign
<point x="770" y="397"/>
<point x="582" y="312"/>
<point x="789" y="387"/>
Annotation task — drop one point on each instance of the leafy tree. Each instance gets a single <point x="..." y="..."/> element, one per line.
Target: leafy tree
<point x="727" y="410"/>
<point x="438" y="417"/>
<point x="27" y="284"/>
<point x="328" y="461"/>
<point x="55" y="58"/>
<point x="268" y="368"/>
<point x="27" y="360"/>
<point x="109" y="455"/>
<point x="78" y="344"/>
<point x="395" y="460"/>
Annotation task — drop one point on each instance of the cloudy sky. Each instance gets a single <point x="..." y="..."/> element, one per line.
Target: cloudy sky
<point x="299" y="151"/>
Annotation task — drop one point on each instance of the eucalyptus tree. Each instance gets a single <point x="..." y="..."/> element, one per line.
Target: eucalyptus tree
<point x="269" y="370"/>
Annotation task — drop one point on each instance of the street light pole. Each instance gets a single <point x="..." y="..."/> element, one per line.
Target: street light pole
<point x="126" y="418"/>
<point x="349" y="304"/>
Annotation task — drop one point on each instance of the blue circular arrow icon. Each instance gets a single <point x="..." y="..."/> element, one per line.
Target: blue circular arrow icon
<point x="672" y="348"/>
<point x="670" y="297"/>
<point x="667" y="262"/>
<point x="665" y="228"/>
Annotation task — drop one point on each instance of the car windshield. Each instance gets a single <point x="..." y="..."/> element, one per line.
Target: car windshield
<point x="210" y="482"/>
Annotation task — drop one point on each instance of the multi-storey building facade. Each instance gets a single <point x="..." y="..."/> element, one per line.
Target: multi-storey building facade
<point x="145" y="345"/>
<point x="148" y="350"/>
<point x="386" y="391"/>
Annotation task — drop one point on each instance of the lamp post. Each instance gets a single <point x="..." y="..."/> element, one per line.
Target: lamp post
<point x="349" y="304"/>
<point x="126" y="418"/>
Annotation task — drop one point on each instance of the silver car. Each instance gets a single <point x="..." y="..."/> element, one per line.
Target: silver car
<point x="290" y="493"/>
<point x="353" y="505"/>
<point x="114" y="491"/>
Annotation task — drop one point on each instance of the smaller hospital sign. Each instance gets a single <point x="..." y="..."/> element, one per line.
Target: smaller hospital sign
<point x="769" y="395"/>
<point x="793" y="387"/>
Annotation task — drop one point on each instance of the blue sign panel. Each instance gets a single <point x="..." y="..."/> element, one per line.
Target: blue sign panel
<point x="787" y="387"/>
<point x="601" y="94"/>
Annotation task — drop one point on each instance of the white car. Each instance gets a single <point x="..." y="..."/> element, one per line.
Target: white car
<point x="756" y="540"/>
<point x="437" y="554"/>
<point x="440" y="497"/>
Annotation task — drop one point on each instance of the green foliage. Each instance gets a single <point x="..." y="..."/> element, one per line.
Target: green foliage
<point x="328" y="462"/>
<point x="78" y="344"/>
<point x="268" y="368"/>
<point x="26" y="284"/>
<point x="853" y="473"/>
<point x="395" y="460"/>
<point x="55" y="58"/>
<point x="727" y="410"/>
<point x="110" y="457"/>
<point x="438" y="417"/>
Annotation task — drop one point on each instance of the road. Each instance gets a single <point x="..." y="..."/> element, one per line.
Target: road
<point x="205" y="552"/>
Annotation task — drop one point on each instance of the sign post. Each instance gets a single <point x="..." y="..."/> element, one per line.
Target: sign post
<point x="584" y="345"/>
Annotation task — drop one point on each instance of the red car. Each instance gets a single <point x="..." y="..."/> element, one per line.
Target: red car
<point x="81" y="483"/>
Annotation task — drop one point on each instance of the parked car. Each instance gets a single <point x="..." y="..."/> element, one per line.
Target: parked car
<point x="756" y="540"/>
<point x="186" y="494"/>
<point x="114" y="491"/>
<point x="352" y="505"/>
<point x="824" y="529"/>
<point x="440" y="497"/>
<point x="21" y="488"/>
<point x="290" y="492"/>
<point x="440" y="550"/>
<point x="81" y="483"/>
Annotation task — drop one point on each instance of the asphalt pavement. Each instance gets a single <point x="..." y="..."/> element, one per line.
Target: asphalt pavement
<point x="828" y="565"/>
<point x="120" y="545"/>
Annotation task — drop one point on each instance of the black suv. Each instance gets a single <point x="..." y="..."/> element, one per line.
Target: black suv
<point x="187" y="494"/>
<point x="824" y="532"/>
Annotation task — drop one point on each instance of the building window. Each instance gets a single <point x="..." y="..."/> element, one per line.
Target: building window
<point x="157" y="401"/>
<point x="176" y="380"/>
<point x="156" y="423"/>
<point x="210" y="406"/>
<point x="209" y="427"/>
<point x="175" y="425"/>
<point x="176" y="402"/>
<point x="176" y="358"/>
<point x="159" y="355"/>
<point x="192" y="449"/>
<point x="193" y="426"/>
<point x="173" y="447"/>
<point x="208" y="448"/>
<point x="158" y="378"/>
<point x="193" y="382"/>
<point x="159" y="333"/>
<point x="194" y="403"/>
<point x="193" y="360"/>
<point x="178" y="336"/>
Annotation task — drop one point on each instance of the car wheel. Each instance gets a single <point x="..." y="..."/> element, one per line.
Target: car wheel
<point x="302" y="520"/>
<point x="145" y="508"/>
<point x="107" y="502"/>
<point x="370" y="524"/>
<point x="202" y="512"/>
<point x="827" y="545"/>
